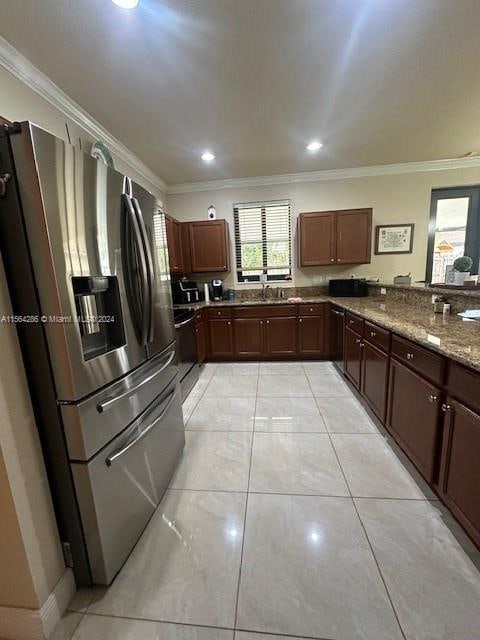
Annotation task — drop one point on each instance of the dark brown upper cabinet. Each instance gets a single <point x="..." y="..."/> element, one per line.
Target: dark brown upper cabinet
<point x="335" y="237"/>
<point x="209" y="249"/>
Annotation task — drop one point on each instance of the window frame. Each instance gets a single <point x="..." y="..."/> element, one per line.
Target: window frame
<point x="257" y="279"/>
<point x="472" y="233"/>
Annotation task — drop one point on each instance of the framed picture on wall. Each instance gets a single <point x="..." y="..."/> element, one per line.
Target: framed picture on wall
<point x="393" y="238"/>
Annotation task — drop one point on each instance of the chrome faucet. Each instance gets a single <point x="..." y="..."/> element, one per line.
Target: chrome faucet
<point x="264" y="291"/>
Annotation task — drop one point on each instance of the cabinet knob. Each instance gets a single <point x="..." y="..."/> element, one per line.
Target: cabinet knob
<point x="224" y="266"/>
<point x="268" y="321"/>
<point x="446" y="407"/>
<point x="332" y="259"/>
<point x="432" y="398"/>
<point x="338" y="260"/>
<point x="300" y="320"/>
<point x="357" y="340"/>
<point x="352" y="321"/>
<point x="373" y="333"/>
<point x="219" y="313"/>
<point x="409" y="356"/>
<point x="361" y="345"/>
<point x="229" y="322"/>
<point x="261" y="321"/>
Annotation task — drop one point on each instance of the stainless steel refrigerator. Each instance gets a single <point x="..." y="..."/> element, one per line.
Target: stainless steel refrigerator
<point x="85" y="254"/>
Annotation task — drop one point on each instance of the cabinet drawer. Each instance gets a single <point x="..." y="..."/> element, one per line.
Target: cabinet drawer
<point x="464" y="385"/>
<point x="250" y="312"/>
<point x="316" y="309"/>
<point x="378" y="336"/>
<point x="429" y="364"/>
<point x="355" y="323"/>
<point x="223" y="312"/>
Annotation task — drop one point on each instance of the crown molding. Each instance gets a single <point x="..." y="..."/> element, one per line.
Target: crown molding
<point x="326" y="174"/>
<point x="20" y="67"/>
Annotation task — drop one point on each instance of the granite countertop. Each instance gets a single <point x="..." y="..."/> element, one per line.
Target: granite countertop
<point x="449" y="335"/>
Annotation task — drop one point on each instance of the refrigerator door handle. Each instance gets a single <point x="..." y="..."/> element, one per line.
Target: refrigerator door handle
<point x="108" y="402"/>
<point x="143" y="322"/>
<point x="120" y="452"/>
<point x="149" y="263"/>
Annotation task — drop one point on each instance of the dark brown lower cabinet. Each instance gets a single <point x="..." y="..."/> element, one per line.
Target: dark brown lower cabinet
<point x="353" y="356"/>
<point x="248" y="337"/>
<point x="459" y="483"/>
<point x="311" y="336"/>
<point x="221" y="338"/>
<point x="413" y="417"/>
<point x="374" y="378"/>
<point x="281" y="336"/>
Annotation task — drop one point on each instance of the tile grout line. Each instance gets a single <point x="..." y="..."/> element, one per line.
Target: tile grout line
<point x="366" y="537"/>
<point x="246" y="507"/>
<point x="267" y="634"/>
<point x="75" y="629"/>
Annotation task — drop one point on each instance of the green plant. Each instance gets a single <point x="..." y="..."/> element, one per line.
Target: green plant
<point x="463" y="264"/>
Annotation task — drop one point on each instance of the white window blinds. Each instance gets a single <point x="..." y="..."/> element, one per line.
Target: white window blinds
<point x="263" y="239"/>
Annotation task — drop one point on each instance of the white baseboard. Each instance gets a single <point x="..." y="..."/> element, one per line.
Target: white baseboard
<point x="38" y="624"/>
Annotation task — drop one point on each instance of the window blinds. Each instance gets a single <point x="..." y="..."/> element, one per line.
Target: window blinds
<point x="263" y="240"/>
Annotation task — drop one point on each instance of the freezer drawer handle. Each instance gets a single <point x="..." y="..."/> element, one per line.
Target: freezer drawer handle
<point x="141" y="435"/>
<point x="106" y="404"/>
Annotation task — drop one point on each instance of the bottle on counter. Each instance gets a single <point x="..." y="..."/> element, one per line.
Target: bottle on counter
<point x="438" y="304"/>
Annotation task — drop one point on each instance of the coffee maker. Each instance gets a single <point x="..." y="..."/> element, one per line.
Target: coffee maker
<point x="217" y="290"/>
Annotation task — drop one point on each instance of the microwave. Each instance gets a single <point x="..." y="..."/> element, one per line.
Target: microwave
<point x="348" y="287"/>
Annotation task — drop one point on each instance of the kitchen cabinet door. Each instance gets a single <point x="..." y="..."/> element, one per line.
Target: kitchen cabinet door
<point x="311" y="336"/>
<point x="221" y="338"/>
<point x="353" y="356"/>
<point x="375" y="379"/>
<point x="460" y="470"/>
<point x="354" y="236"/>
<point x="413" y="417"/>
<point x="316" y="238"/>
<point x="281" y="336"/>
<point x="174" y="243"/>
<point x="248" y="337"/>
<point x="209" y="246"/>
<point x="201" y="336"/>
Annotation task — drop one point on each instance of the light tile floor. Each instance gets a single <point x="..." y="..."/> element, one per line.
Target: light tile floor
<point x="290" y="516"/>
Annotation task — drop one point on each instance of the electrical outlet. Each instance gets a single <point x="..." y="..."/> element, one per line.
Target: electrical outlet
<point x="383" y="291"/>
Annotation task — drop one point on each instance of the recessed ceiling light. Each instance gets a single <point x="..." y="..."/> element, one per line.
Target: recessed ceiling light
<point x="208" y="156"/>
<point x="126" y="4"/>
<point x="314" y="145"/>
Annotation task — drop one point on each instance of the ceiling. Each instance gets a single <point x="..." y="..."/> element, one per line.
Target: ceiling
<point x="377" y="81"/>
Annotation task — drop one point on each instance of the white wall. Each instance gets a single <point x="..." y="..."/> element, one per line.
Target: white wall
<point x="400" y="198"/>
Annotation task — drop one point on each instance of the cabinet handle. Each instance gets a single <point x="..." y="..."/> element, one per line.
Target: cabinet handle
<point x="373" y="334"/>
<point x="432" y="398"/>
<point x="446" y="407"/>
<point x="410" y="356"/>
